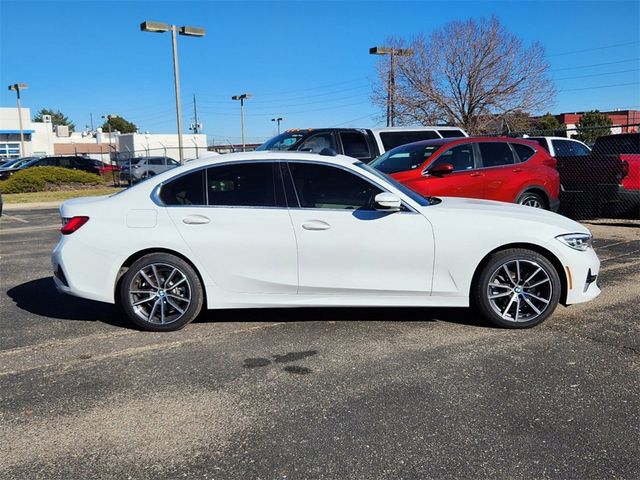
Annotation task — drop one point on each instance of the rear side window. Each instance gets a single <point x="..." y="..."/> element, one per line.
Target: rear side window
<point x="495" y="154"/>
<point x="355" y="144"/>
<point x="242" y="185"/>
<point x="323" y="186"/>
<point x="393" y="139"/>
<point x="451" y="133"/>
<point x="524" y="152"/>
<point x="185" y="190"/>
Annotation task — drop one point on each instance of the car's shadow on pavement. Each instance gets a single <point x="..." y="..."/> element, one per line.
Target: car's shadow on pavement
<point x="41" y="298"/>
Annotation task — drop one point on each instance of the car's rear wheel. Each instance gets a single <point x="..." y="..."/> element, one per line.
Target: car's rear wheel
<point x="532" y="199"/>
<point x="161" y="292"/>
<point x="517" y="288"/>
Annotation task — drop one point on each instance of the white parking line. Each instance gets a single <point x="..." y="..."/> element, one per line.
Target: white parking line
<point x="17" y="219"/>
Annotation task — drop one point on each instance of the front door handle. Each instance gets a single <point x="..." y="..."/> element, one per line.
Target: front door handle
<point x="475" y="174"/>
<point x="517" y="170"/>
<point x="195" y="220"/>
<point x="316" y="225"/>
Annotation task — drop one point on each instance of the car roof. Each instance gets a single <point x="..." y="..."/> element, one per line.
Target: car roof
<point x="445" y="141"/>
<point x="273" y="155"/>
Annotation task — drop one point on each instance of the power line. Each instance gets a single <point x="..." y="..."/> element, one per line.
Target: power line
<point x="287" y="92"/>
<point x="597" y="74"/>
<point x="290" y="113"/>
<point x="595" y="65"/>
<point x="595" y="48"/>
<point x="354" y="120"/>
<point x="599" y="86"/>
<point x="280" y="106"/>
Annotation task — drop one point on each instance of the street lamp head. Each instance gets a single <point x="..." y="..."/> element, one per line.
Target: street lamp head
<point x="243" y="96"/>
<point x="18" y="86"/>
<point x="278" y="119"/>
<point x="400" y="52"/>
<point x="192" y="31"/>
<point x="110" y="116"/>
<point x="154" y="27"/>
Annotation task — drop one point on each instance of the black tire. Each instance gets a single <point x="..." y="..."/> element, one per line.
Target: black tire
<point x="492" y="281"/>
<point x="171" y="285"/>
<point x="532" y="199"/>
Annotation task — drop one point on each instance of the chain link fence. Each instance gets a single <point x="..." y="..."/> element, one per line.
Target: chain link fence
<point x="599" y="169"/>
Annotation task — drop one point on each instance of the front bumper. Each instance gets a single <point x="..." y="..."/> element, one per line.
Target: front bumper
<point x="581" y="270"/>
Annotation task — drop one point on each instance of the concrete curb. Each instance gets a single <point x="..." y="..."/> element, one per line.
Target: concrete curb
<point x="31" y="206"/>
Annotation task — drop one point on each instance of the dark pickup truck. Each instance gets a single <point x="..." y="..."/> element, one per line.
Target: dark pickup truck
<point x="608" y="179"/>
<point x="365" y="144"/>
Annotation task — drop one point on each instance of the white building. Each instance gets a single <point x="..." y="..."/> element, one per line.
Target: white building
<point x="10" y="133"/>
<point x="41" y="138"/>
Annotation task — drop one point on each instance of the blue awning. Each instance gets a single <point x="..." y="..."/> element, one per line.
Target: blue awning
<point x="9" y="132"/>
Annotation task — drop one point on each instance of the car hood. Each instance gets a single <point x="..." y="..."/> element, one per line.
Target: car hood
<point x="501" y="213"/>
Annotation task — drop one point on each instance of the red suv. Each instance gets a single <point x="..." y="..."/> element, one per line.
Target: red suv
<point x="495" y="168"/>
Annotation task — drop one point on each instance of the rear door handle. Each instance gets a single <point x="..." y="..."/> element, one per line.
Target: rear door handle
<point x="475" y="174"/>
<point x="195" y="220"/>
<point x="316" y="225"/>
<point x="517" y="170"/>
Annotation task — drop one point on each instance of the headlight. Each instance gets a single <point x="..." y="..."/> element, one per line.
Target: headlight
<point x="577" y="241"/>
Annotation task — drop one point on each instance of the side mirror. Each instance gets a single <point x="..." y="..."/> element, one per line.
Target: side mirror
<point x="387" y="202"/>
<point x="440" y="170"/>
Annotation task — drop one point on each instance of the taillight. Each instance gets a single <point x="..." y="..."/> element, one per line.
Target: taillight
<point x="73" y="224"/>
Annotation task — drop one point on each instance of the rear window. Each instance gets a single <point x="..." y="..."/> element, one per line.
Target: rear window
<point x="393" y="139"/>
<point x="540" y="141"/>
<point x="624" y="144"/>
<point x="284" y="141"/>
<point x="451" y="133"/>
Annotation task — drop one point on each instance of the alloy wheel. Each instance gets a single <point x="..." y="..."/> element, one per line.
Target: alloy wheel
<point x="520" y="290"/>
<point x="160" y="293"/>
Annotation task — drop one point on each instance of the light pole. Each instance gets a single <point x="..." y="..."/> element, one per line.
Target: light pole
<point x="157" y="27"/>
<point x="17" y="87"/>
<point x="242" y="97"/>
<point x="392" y="52"/>
<point x="278" y="119"/>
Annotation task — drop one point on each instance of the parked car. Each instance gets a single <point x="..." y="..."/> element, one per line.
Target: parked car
<point x="7" y="162"/>
<point x="492" y="168"/>
<point x="561" y="146"/>
<point x="609" y="175"/>
<point x="363" y="144"/>
<point x="70" y="161"/>
<point x="289" y="229"/>
<point x="139" y="168"/>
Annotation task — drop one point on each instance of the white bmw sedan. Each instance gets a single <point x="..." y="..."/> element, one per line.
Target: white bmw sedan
<point x="289" y="229"/>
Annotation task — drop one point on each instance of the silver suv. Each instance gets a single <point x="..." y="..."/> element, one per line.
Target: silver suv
<point x="144" y="167"/>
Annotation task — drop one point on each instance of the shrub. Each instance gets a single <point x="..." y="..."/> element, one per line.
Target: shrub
<point x="39" y="179"/>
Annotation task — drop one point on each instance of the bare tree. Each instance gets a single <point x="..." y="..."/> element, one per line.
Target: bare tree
<point x="465" y="74"/>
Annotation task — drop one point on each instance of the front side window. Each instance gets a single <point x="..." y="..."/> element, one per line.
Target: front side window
<point x="393" y="139"/>
<point x="460" y="156"/>
<point x="317" y="143"/>
<point x="242" y="185"/>
<point x="323" y="186"/>
<point x="185" y="190"/>
<point x="495" y="154"/>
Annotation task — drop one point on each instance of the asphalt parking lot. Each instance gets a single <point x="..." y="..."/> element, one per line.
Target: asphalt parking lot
<point x="314" y="393"/>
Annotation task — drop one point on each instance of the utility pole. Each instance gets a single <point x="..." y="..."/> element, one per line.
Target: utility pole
<point x="278" y="120"/>
<point x="157" y="27"/>
<point x="91" y="118"/>
<point x="195" y="115"/>
<point x="391" y="80"/>
<point x="108" y="119"/>
<point x="17" y="87"/>
<point x="242" y="97"/>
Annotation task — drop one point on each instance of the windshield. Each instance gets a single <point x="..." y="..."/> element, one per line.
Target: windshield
<point x="284" y="141"/>
<point x="416" y="197"/>
<point x="403" y="158"/>
<point x="18" y="162"/>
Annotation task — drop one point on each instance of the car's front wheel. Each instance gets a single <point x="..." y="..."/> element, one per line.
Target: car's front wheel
<point x="161" y="292"/>
<point x="517" y="288"/>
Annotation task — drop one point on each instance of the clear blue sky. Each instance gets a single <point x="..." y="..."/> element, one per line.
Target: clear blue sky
<point x="306" y="61"/>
